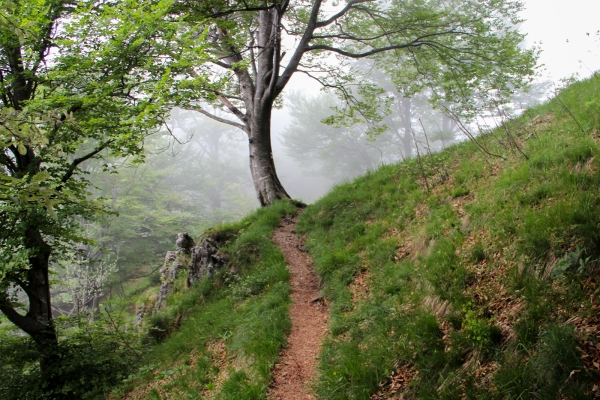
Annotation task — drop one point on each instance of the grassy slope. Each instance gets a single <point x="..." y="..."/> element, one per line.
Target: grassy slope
<point x="230" y="328"/>
<point x="485" y="286"/>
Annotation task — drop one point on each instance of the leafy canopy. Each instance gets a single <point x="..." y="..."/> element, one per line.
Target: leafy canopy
<point x="78" y="82"/>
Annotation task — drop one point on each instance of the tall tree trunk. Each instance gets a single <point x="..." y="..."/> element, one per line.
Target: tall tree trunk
<point x="40" y="308"/>
<point x="262" y="166"/>
<point x="38" y="321"/>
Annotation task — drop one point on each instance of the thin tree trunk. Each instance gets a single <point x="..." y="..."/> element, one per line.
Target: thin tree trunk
<point x="406" y="119"/>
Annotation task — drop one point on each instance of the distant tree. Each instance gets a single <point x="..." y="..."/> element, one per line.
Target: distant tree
<point x="214" y="158"/>
<point x="72" y="90"/>
<point x="193" y="177"/>
<point x="84" y="280"/>
<point x="466" y="48"/>
<point x="342" y="152"/>
<point x="335" y="152"/>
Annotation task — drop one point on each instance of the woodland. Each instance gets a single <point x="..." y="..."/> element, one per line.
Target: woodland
<point x="124" y="124"/>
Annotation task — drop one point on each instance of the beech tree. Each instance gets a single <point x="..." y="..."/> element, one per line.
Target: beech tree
<point x="465" y="49"/>
<point x="71" y="90"/>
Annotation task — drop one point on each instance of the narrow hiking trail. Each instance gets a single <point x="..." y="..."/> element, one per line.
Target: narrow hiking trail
<point x="298" y="361"/>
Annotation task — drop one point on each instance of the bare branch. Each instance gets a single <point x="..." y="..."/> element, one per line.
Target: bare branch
<point x="301" y="49"/>
<point x="219" y="119"/>
<point x="346" y="36"/>
<point x="366" y="53"/>
<point x="170" y="131"/>
<point x="417" y="42"/>
<point x="79" y="160"/>
<point x="343" y="12"/>
<point x="222" y="64"/>
<point x="228" y="96"/>
<point x="243" y="117"/>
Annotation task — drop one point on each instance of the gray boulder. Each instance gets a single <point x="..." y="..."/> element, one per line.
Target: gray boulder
<point x="206" y="259"/>
<point x="184" y="243"/>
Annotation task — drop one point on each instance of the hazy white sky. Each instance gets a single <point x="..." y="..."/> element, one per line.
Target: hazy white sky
<point x="562" y="28"/>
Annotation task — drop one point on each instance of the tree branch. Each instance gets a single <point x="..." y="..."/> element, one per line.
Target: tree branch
<point x="301" y="49"/>
<point x="219" y="119"/>
<point x="350" y="5"/>
<point x="222" y="64"/>
<point x="24" y="322"/>
<point x="236" y="111"/>
<point x="79" y="160"/>
<point x="346" y="36"/>
<point x="361" y="55"/>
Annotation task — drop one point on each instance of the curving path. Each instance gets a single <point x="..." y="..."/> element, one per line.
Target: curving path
<point x="297" y="363"/>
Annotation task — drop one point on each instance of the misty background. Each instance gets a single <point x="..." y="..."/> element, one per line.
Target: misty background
<point x="196" y="174"/>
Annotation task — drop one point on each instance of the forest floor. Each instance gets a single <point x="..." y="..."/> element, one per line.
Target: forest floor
<point x="297" y="363"/>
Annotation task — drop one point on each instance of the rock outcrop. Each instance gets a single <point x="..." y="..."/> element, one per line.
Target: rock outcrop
<point x="184" y="243"/>
<point x="173" y="264"/>
<point x="206" y="259"/>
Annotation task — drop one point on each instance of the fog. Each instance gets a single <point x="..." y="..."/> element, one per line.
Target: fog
<point x="197" y="170"/>
<point x="570" y="44"/>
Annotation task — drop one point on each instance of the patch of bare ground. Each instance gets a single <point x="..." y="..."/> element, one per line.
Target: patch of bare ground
<point x="143" y="391"/>
<point x="360" y="286"/>
<point x="396" y="384"/>
<point x="297" y="363"/>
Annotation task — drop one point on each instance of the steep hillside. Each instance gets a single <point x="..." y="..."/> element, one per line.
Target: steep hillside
<point x="471" y="273"/>
<point x="467" y="275"/>
<point x="220" y="338"/>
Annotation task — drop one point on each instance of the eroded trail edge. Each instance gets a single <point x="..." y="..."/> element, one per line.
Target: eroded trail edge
<point x="297" y="363"/>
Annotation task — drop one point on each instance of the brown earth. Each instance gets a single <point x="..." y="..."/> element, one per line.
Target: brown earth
<point x="297" y="363"/>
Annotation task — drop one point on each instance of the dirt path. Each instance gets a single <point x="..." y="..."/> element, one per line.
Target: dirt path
<point x="297" y="363"/>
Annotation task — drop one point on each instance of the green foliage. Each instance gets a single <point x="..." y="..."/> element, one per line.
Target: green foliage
<point x="94" y="359"/>
<point x="574" y="262"/>
<point x="466" y="279"/>
<point x="174" y="191"/>
<point x="20" y="362"/>
<point x="95" y="99"/>
<point x="553" y="367"/>
<point x="80" y="82"/>
<point x="344" y="152"/>
<point x="241" y="311"/>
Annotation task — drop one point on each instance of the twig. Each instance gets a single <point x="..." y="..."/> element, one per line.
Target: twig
<point x="464" y="129"/>
<point x="420" y="162"/>
<point x="509" y="132"/>
<point x="569" y="112"/>
<point x="116" y="328"/>
<point x="429" y="151"/>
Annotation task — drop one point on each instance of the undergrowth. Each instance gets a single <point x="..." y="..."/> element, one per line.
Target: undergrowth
<point x="485" y="286"/>
<point x="224" y="333"/>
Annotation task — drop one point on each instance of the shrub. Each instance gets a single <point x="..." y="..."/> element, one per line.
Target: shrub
<point x="93" y="359"/>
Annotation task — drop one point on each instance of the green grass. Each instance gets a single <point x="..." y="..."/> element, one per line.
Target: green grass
<point x="225" y="333"/>
<point x="482" y="285"/>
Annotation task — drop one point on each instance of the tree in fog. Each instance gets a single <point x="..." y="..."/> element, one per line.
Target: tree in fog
<point x="194" y="176"/>
<point x="72" y="90"/>
<point x="464" y="47"/>
<point x="341" y="152"/>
